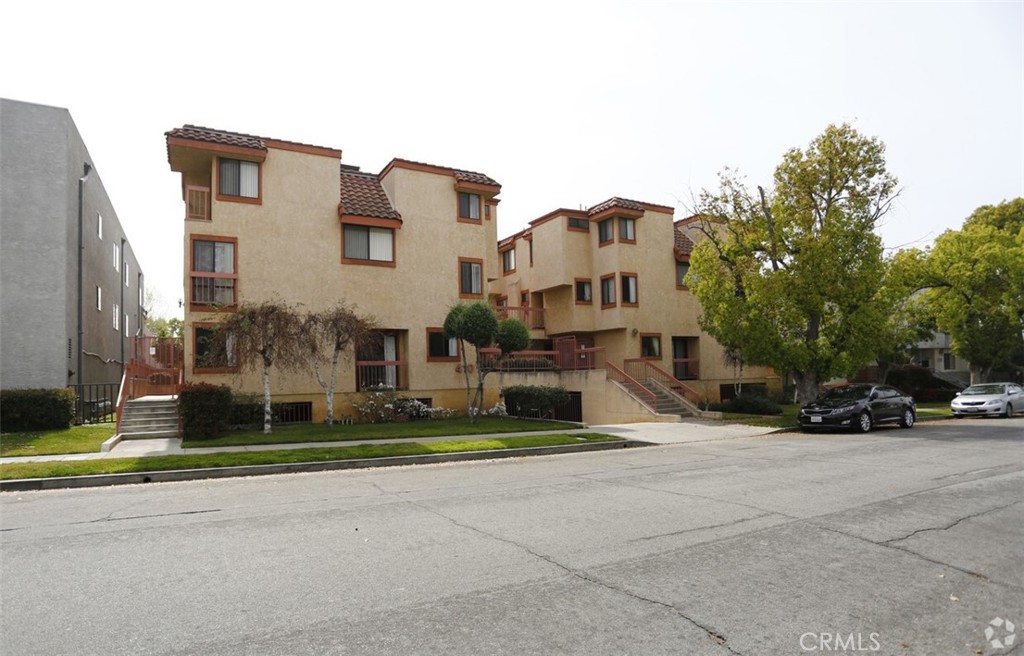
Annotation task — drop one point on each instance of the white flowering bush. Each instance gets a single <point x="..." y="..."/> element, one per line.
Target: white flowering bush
<point x="498" y="410"/>
<point x="442" y="413"/>
<point x="412" y="408"/>
<point x="377" y="406"/>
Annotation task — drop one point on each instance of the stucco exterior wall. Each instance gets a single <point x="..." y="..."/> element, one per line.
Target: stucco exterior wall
<point x="42" y="156"/>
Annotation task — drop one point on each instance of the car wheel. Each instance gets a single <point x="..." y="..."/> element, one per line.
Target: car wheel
<point x="907" y="420"/>
<point x="1009" y="410"/>
<point x="863" y="423"/>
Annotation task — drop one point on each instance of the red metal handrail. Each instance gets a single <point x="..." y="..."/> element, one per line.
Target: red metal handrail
<point x="637" y="390"/>
<point x="533" y="317"/>
<point x="644" y="369"/>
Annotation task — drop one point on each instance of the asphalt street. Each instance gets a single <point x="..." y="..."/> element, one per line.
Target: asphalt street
<point x="894" y="542"/>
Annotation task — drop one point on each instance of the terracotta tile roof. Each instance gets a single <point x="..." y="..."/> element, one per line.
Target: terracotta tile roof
<point x="478" y="178"/>
<point x="223" y="137"/>
<point x="363" y="195"/>
<point x="683" y="244"/>
<point x="460" y="175"/>
<point x="623" y="203"/>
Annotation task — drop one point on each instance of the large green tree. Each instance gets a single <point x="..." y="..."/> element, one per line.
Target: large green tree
<point x="974" y="279"/>
<point x="478" y="324"/>
<point x="793" y="277"/>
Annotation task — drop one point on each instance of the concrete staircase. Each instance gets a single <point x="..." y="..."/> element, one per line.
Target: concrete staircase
<point x="151" y="417"/>
<point x="667" y="403"/>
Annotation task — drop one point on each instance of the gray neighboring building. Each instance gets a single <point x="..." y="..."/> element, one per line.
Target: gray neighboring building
<point x="62" y="320"/>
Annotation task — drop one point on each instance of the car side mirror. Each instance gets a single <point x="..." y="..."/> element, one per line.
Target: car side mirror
<point x="874" y="395"/>
<point x="957" y="394"/>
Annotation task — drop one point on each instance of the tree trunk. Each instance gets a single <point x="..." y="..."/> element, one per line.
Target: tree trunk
<point x="334" y="384"/>
<point x="806" y="386"/>
<point x="266" y="400"/>
<point x="465" y="372"/>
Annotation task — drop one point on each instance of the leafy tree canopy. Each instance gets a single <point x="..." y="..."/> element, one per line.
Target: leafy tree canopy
<point x="794" y="276"/>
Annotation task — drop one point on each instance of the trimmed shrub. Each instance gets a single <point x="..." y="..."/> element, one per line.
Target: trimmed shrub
<point x="204" y="410"/>
<point x="748" y="404"/>
<point x="36" y="409"/>
<point x="533" y="400"/>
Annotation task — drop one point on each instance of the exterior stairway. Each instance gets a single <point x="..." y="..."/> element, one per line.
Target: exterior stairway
<point x="151" y="417"/>
<point x="666" y="403"/>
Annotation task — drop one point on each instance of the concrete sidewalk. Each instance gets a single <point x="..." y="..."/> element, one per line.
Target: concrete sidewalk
<point x="654" y="433"/>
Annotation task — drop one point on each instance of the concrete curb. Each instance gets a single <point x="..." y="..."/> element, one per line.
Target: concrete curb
<point x="111" y="443"/>
<point x="135" y="478"/>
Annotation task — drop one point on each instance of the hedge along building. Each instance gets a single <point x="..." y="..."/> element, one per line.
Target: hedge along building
<point x="268" y="219"/>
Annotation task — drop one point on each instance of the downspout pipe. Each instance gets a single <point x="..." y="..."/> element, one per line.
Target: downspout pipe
<point x="123" y="310"/>
<point x="86" y="169"/>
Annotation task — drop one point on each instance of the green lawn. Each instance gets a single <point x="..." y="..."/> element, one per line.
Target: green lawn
<point x="283" y="456"/>
<point x="296" y="433"/>
<point x="77" y="439"/>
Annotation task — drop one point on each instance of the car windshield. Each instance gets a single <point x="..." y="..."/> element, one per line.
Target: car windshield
<point x="847" y="393"/>
<point x="985" y="389"/>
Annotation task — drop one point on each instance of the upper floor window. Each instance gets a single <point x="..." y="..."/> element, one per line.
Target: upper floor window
<point x="469" y="206"/>
<point x="441" y="348"/>
<point x="584" y="293"/>
<point x="99" y="225"/>
<point x="629" y="289"/>
<point x="213" y="271"/>
<point x="471" y="278"/>
<point x="117" y="317"/>
<point x="508" y="260"/>
<point x="117" y="257"/>
<point x="605" y="231"/>
<point x="99" y="297"/>
<point x="682" y="268"/>
<point x="239" y="178"/>
<point x="627" y="229"/>
<point x="369" y="243"/>
<point x="579" y="224"/>
<point x="608" y="290"/>
<point x="127" y="280"/>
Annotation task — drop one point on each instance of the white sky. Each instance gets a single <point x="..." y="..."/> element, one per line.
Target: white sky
<point x="564" y="103"/>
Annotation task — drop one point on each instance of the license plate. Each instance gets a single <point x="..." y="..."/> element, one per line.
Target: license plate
<point x="815" y="420"/>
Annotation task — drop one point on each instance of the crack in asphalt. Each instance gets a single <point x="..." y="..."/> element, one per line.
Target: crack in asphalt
<point x="949" y="526"/>
<point x="712" y="635"/>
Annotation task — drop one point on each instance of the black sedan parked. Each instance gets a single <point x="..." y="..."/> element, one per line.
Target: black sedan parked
<point x="859" y="407"/>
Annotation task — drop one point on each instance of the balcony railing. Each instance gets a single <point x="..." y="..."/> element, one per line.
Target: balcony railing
<point x="381" y="374"/>
<point x="531" y="316"/>
<point x="197" y="203"/>
<point x="209" y="290"/>
<point x="577" y="360"/>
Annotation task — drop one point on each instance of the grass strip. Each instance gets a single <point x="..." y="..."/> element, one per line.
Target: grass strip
<point x="284" y="456"/>
<point x="77" y="439"/>
<point x="298" y="433"/>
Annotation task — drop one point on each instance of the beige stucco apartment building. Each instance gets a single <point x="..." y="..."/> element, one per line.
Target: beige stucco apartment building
<point x="268" y="219"/>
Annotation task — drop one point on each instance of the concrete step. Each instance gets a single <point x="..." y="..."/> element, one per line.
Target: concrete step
<point x="149" y="435"/>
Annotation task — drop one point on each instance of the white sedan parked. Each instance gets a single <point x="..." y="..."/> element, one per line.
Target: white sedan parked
<point x="1001" y="399"/>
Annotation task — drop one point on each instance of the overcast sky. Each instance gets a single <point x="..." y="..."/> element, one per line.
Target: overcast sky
<point x="565" y="104"/>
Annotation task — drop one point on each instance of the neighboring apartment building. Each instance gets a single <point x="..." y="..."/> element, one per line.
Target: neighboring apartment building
<point x="271" y="219"/>
<point x="72" y="289"/>
<point x="612" y="277"/>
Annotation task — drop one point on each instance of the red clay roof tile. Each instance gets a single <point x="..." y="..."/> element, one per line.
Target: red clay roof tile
<point x="623" y="203"/>
<point x="363" y="195"/>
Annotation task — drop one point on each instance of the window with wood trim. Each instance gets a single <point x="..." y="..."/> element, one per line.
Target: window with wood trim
<point x="682" y="268"/>
<point x="629" y="289"/>
<point x="650" y="346"/>
<point x="605" y="232"/>
<point x="584" y="292"/>
<point x="368" y="244"/>
<point x="471" y="277"/>
<point x="582" y="225"/>
<point x="238" y="178"/>
<point x="608" y="290"/>
<point x="210" y="355"/>
<point x="441" y="348"/>
<point x="508" y="260"/>
<point x="214" y="271"/>
<point x="627" y="230"/>
<point x="469" y="206"/>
